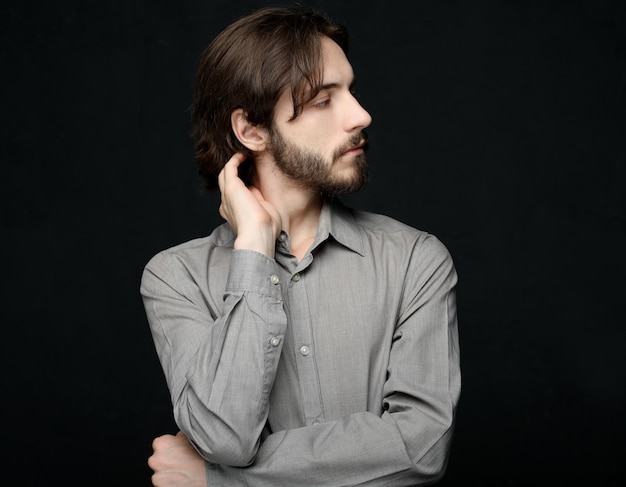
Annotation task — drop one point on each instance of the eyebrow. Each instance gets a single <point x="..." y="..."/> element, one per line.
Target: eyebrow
<point x="330" y="86"/>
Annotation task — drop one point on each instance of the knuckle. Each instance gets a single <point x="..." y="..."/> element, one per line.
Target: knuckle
<point x="156" y="443"/>
<point x="161" y="442"/>
<point x="153" y="462"/>
<point x="156" y="480"/>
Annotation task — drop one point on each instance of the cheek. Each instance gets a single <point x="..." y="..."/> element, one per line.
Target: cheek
<point x="324" y="139"/>
<point x="319" y="142"/>
<point x="320" y="137"/>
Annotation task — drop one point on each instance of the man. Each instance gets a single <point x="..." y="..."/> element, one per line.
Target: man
<point x="303" y="343"/>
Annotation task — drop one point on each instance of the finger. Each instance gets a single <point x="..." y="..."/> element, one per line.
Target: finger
<point x="221" y="177"/>
<point x="231" y="168"/>
<point x="220" y="180"/>
<point x="257" y="193"/>
<point x="162" y="442"/>
<point x="169" y="478"/>
<point x="237" y="159"/>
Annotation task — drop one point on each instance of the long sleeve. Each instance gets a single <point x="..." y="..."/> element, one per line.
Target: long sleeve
<point x="406" y="444"/>
<point x="219" y="357"/>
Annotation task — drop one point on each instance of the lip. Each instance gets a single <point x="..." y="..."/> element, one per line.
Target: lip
<point x="357" y="149"/>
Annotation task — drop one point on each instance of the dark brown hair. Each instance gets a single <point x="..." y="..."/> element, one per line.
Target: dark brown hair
<point x="248" y="65"/>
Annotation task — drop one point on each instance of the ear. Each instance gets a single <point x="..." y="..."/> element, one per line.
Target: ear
<point x="254" y="137"/>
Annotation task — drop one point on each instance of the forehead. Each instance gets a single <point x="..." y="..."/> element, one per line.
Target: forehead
<point x="335" y="65"/>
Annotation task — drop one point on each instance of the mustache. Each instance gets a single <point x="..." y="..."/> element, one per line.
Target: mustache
<point x="353" y="141"/>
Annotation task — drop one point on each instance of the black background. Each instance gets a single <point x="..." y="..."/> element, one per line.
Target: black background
<point x="498" y="126"/>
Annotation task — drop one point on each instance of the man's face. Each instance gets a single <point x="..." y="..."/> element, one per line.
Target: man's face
<point x="323" y="149"/>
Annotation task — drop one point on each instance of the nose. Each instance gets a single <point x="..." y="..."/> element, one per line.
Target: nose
<point x="358" y="117"/>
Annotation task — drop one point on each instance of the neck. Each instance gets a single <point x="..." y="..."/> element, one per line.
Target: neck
<point x="299" y="209"/>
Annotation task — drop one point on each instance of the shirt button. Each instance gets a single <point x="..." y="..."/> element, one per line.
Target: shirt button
<point x="296" y="277"/>
<point x="304" y="350"/>
<point x="274" y="341"/>
<point x="274" y="279"/>
<point x="282" y="237"/>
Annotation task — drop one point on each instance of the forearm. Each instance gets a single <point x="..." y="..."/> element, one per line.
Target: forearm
<point x="361" y="449"/>
<point x="220" y="371"/>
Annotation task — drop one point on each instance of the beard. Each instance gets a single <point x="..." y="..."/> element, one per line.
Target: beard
<point x="311" y="171"/>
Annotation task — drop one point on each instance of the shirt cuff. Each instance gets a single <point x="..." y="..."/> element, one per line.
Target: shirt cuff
<point x="253" y="272"/>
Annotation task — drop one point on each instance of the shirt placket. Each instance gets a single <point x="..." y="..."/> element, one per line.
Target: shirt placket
<point x="300" y="320"/>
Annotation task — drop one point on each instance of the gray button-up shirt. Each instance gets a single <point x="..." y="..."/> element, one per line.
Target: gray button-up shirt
<point x="340" y="369"/>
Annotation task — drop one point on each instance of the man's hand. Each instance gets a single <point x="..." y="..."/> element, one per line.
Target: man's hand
<point x="255" y="221"/>
<point x="176" y="463"/>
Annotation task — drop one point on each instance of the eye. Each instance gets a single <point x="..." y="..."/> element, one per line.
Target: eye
<point x="322" y="102"/>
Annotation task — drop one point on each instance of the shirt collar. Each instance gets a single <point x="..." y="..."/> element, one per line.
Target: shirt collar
<point x="338" y="221"/>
